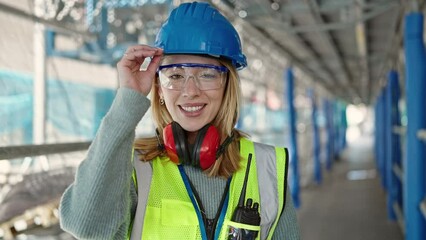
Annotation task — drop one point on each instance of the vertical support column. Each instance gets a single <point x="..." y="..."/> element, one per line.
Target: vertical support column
<point x="376" y="132"/>
<point x="377" y="127"/>
<point x="336" y="128"/>
<point x="381" y="135"/>
<point x="316" y="141"/>
<point x="414" y="167"/>
<point x="392" y="141"/>
<point x="385" y="130"/>
<point x="329" y="124"/>
<point x="294" y="159"/>
<point x="344" y="127"/>
<point x="39" y="87"/>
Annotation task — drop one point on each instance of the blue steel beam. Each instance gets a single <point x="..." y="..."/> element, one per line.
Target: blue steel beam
<point x="330" y="138"/>
<point x="415" y="164"/>
<point x="316" y="141"/>
<point x="393" y="143"/>
<point x="385" y="130"/>
<point x="376" y="135"/>
<point x="382" y="136"/>
<point x="340" y="127"/>
<point x="294" y="159"/>
<point x="336" y="128"/>
<point x="344" y="126"/>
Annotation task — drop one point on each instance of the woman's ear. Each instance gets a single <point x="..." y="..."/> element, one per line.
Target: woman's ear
<point x="160" y="96"/>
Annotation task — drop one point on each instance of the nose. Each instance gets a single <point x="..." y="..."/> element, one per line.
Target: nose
<point x="191" y="89"/>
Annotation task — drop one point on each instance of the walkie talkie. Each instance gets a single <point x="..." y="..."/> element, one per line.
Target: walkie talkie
<point x="245" y="214"/>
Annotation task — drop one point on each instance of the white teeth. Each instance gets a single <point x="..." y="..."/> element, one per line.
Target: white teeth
<point x="192" y="109"/>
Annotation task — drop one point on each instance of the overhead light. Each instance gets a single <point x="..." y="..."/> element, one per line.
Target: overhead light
<point x="275" y="6"/>
<point x="360" y="31"/>
<point x="361" y="39"/>
<point x="242" y="13"/>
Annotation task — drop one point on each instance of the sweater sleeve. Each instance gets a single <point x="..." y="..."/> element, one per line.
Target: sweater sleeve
<point x="99" y="203"/>
<point x="287" y="227"/>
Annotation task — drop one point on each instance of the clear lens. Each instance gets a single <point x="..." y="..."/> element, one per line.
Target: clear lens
<point x="206" y="76"/>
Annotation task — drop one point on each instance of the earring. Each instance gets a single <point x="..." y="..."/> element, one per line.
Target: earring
<point x="161" y="101"/>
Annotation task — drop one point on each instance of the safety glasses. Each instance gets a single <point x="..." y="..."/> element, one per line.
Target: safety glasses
<point x="206" y="76"/>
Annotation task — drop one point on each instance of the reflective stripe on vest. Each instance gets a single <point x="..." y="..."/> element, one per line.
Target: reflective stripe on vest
<point x="171" y="214"/>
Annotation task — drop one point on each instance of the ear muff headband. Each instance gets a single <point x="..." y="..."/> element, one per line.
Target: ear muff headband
<point x="181" y="144"/>
<point x="205" y="147"/>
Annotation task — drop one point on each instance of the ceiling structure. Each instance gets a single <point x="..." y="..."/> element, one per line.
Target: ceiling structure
<point x="346" y="46"/>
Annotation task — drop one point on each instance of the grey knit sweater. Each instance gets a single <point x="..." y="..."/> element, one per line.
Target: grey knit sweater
<point x="102" y="200"/>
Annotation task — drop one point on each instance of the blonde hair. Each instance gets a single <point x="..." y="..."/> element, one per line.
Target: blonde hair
<point x="225" y="120"/>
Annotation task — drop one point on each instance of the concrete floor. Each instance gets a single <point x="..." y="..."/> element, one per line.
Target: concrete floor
<point x="344" y="209"/>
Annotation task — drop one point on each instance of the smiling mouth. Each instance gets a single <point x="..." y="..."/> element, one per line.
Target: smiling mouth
<point x="192" y="108"/>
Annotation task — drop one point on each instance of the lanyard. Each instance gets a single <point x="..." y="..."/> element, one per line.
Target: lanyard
<point x="196" y="202"/>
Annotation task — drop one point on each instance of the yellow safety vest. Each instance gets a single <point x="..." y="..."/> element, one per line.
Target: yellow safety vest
<point x="167" y="208"/>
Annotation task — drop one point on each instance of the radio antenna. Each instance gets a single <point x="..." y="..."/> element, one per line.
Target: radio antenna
<point x="243" y="190"/>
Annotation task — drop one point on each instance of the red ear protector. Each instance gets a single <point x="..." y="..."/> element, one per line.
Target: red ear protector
<point x="205" y="148"/>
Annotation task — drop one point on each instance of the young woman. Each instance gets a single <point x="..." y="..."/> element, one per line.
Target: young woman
<point x="198" y="177"/>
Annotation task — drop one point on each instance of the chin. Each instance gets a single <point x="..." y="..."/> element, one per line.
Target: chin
<point x="191" y="127"/>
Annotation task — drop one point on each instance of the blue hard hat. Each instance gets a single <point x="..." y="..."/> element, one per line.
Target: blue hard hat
<point x="198" y="28"/>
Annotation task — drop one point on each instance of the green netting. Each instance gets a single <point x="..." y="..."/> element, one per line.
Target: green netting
<point x="71" y="108"/>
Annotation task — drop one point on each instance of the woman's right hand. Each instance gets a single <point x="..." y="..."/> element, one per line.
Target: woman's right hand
<point x="129" y="72"/>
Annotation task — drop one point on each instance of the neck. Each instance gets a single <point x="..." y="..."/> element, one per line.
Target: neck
<point x="191" y="137"/>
